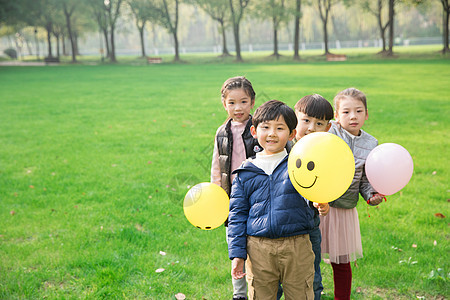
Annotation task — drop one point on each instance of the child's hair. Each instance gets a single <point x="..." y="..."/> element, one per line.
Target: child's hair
<point x="352" y="93"/>
<point x="238" y="82"/>
<point x="315" y="106"/>
<point x="272" y="110"/>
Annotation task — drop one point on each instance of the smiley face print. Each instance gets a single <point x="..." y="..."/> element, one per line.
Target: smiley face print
<point x="321" y="167"/>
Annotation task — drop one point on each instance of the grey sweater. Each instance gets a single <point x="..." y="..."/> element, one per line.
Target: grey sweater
<point x="361" y="146"/>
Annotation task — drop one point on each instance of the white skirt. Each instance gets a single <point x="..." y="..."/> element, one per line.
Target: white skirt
<point x="341" y="237"/>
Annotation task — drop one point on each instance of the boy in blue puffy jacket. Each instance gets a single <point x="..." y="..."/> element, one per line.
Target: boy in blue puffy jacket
<point x="269" y="220"/>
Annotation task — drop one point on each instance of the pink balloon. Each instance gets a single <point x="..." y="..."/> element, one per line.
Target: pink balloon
<point x="389" y="168"/>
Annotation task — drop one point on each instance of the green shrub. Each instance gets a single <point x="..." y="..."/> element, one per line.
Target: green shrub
<point x="12" y="53"/>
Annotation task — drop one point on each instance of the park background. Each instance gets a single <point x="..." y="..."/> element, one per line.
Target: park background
<point x="97" y="155"/>
<point x="56" y="29"/>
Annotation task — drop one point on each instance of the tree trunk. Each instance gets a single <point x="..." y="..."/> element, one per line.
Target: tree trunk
<point x="325" y="35"/>
<point x="49" y="40"/>
<point x="236" y="20"/>
<point x="57" y="45"/>
<point x="224" y="39"/>
<point x="113" y="47"/>
<point x="445" y="20"/>
<point x="63" y="42"/>
<point x="324" y="18"/>
<point x="382" y="28"/>
<point x="105" y="34"/>
<point x="177" y="52"/>
<point x="297" y="29"/>
<point x="383" y="38"/>
<point x="237" y="42"/>
<point x="69" y="30"/>
<point x="141" y="35"/>
<point x="275" y="42"/>
<point x="391" y="27"/>
<point x="75" y="38"/>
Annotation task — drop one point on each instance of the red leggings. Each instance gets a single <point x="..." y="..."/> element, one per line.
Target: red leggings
<point x="342" y="275"/>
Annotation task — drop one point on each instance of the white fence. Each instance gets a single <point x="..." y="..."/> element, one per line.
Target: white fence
<point x="281" y="46"/>
<point x="136" y="51"/>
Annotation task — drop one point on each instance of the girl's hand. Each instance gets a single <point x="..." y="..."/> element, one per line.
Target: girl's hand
<point x="237" y="268"/>
<point x="376" y="199"/>
<point x="323" y="208"/>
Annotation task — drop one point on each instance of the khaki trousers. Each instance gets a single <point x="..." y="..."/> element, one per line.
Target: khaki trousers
<point x="287" y="260"/>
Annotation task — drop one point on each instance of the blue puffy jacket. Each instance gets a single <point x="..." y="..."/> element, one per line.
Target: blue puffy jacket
<point x="266" y="206"/>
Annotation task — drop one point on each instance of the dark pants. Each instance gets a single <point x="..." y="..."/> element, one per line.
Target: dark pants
<point x="316" y="238"/>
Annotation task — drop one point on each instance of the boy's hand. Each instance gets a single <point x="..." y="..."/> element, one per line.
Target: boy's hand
<point x="376" y="199"/>
<point x="323" y="208"/>
<point x="237" y="268"/>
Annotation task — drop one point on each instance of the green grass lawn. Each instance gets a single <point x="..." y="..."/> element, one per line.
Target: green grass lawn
<point x="95" y="162"/>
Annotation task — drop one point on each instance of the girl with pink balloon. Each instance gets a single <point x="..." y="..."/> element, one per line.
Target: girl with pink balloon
<point x="341" y="238"/>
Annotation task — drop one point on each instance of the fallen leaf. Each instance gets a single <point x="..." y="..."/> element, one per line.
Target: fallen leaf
<point x="12" y="213"/>
<point x="180" y="296"/>
<point x="439" y="215"/>
<point x="160" y="270"/>
<point x="414" y="246"/>
<point x="31" y="186"/>
<point x="162" y="253"/>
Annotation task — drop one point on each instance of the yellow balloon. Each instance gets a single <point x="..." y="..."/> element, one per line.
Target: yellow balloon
<point x="206" y="205"/>
<point x="321" y="167"/>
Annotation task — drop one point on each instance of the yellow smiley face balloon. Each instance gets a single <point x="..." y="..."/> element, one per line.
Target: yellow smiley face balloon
<point x="321" y="167"/>
<point x="206" y="205"/>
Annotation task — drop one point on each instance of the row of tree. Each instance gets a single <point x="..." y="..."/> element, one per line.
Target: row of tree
<point x="62" y="18"/>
